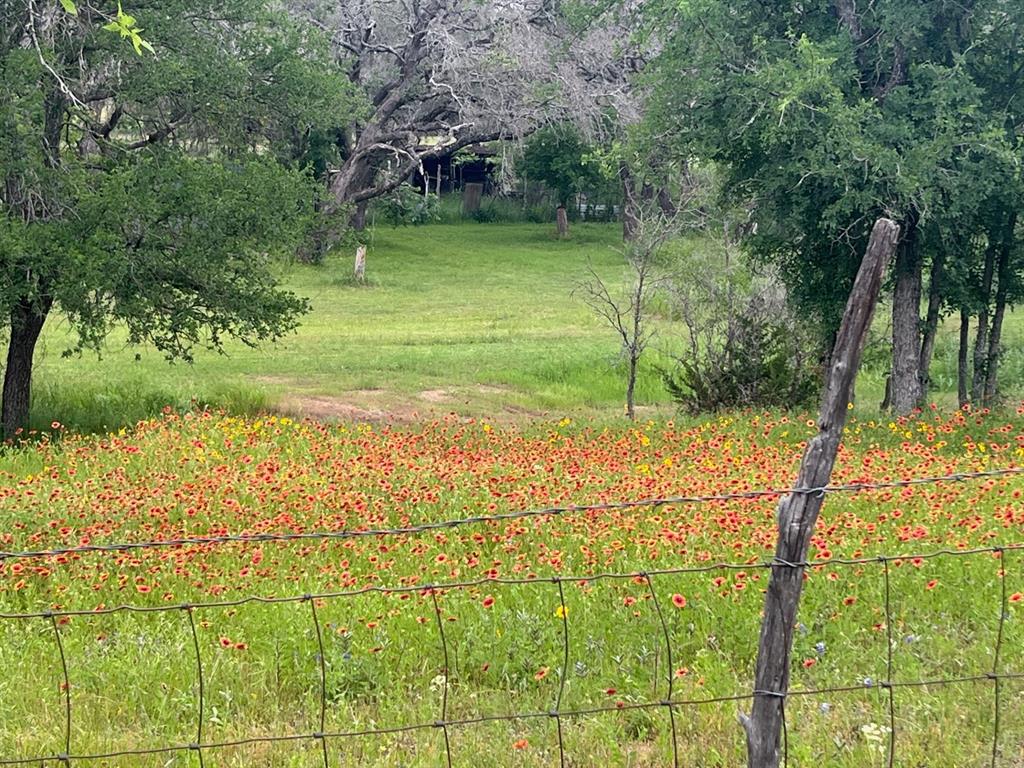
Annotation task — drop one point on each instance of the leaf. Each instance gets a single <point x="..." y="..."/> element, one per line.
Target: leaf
<point x="69" y="6"/>
<point x="112" y="27"/>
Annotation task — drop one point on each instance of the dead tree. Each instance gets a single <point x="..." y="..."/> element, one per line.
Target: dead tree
<point x="440" y="75"/>
<point x="798" y="512"/>
<point x="627" y="312"/>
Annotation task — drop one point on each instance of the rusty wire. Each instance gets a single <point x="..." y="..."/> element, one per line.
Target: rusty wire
<point x="444" y="723"/>
<point x="251" y="538"/>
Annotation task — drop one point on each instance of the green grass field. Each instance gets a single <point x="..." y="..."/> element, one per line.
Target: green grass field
<point x="473" y="318"/>
<point x="480" y="320"/>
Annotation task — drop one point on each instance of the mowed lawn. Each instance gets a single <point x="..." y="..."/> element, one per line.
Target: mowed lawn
<point x="474" y="318"/>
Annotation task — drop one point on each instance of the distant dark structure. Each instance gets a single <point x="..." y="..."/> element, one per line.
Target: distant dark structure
<point x="471" y="165"/>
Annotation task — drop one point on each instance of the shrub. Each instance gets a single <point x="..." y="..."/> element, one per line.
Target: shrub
<point x="408" y="207"/>
<point x="745" y="347"/>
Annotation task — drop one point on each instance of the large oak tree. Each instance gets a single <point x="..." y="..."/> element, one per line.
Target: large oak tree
<point x="146" y="190"/>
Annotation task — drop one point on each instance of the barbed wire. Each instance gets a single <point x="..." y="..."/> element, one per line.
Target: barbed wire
<point x="445" y="723"/>
<point x="581" y="578"/>
<point x="553" y="511"/>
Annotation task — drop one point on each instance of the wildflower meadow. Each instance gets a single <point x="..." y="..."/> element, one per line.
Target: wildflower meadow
<point x="596" y="640"/>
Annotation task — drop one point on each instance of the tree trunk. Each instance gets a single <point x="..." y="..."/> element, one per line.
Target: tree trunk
<point x="630" y="214"/>
<point x="798" y="512"/>
<point x="358" y="219"/>
<point x="562" y="221"/>
<point x="1002" y="291"/>
<point x="27" y="318"/>
<point x="981" y="335"/>
<point x="906" y="318"/>
<point x="962" y="374"/>
<point x="666" y="203"/>
<point x="631" y="390"/>
<point x="931" y="324"/>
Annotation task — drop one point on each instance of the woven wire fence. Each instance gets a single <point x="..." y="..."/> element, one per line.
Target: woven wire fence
<point x="670" y="704"/>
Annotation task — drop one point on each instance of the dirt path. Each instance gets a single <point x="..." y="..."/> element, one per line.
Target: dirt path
<point x="386" y="406"/>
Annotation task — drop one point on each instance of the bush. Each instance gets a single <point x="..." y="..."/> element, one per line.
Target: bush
<point x="762" y="365"/>
<point x="408" y="207"/>
<point x="484" y="215"/>
<point x="746" y="348"/>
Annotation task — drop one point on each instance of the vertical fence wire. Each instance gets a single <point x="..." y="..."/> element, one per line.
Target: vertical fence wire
<point x="563" y="611"/>
<point x="319" y="736"/>
<point x="65" y="757"/>
<point x="888" y="662"/>
<point x="669" y="666"/>
<point x="785" y="732"/>
<point x="783" y="694"/>
<point x="443" y="722"/>
<point x="202" y="745"/>
<point x="1004" y="608"/>
<point x="201" y="704"/>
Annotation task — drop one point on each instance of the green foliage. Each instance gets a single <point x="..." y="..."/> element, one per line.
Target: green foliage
<point x="821" y="126"/>
<point x="494" y="209"/>
<point x="744" y="346"/>
<point x="154" y="192"/>
<point x="194" y="267"/>
<point x="408" y="207"/>
<point x="566" y="164"/>
<point x="761" y="364"/>
<point x="124" y="25"/>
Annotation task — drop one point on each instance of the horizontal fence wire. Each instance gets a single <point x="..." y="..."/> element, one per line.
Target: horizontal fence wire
<point x="249" y="538"/>
<point x="669" y="704"/>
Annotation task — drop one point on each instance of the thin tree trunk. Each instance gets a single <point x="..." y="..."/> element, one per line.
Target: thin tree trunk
<point x="798" y="512"/>
<point x="358" y="219"/>
<point x="666" y="203"/>
<point x="931" y="324"/>
<point x="981" y="335"/>
<point x="630" y="214"/>
<point x="631" y="390"/>
<point x="1002" y="291"/>
<point x="906" y="319"/>
<point x="962" y="374"/>
<point x="27" y="318"/>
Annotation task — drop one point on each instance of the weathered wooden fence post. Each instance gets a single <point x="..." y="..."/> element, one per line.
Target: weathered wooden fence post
<point x="562" y="221"/>
<point x="798" y="512"/>
<point x="360" y="265"/>
<point x="472" y="194"/>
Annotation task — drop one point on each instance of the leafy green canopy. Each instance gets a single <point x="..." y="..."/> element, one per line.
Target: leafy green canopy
<point x="174" y="247"/>
<point x="824" y="115"/>
<point x="154" y="191"/>
<point x="564" y="162"/>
